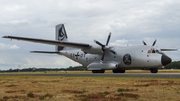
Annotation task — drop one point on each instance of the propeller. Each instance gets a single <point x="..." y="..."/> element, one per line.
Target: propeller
<point x="105" y="47"/>
<point x="161" y="49"/>
<point x="152" y="44"/>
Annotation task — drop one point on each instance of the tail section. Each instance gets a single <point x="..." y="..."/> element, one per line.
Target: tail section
<point x="60" y="36"/>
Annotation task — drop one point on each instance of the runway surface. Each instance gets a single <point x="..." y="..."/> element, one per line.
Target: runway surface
<point x="158" y="75"/>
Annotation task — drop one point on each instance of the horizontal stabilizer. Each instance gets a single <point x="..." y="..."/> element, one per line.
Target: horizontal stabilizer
<point x="46" y="52"/>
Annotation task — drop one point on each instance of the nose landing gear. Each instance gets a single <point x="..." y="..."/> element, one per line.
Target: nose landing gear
<point x="154" y="70"/>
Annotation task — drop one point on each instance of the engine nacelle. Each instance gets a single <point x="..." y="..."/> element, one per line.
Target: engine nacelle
<point x="93" y="50"/>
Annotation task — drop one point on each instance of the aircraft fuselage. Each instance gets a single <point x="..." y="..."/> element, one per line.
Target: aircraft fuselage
<point x="130" y="57"/>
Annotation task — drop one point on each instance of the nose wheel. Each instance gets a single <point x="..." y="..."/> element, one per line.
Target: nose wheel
<point x="154" y="70"/>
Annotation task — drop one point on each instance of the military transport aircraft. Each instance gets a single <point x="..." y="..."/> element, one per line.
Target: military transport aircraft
<point x="101" y="57"/>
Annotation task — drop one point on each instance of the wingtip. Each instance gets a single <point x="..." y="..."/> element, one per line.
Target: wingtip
<point x="4" y="36"/>
<point x="31" y="52"/>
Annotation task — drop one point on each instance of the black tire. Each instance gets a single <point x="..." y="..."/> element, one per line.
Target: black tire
<point x="118" y="71"/>
<point x="154" y="70"/>
<point x="98" y="71"/>
<point x="115" y="71"/>
<point x="122" y="71"/>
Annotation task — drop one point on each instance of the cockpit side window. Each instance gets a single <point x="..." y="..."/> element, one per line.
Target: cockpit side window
<point x="151" y="51"/>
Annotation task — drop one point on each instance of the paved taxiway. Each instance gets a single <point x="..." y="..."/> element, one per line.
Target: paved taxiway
<point x="158" y="75"/>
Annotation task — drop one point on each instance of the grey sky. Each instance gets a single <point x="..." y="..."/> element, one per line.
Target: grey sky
<point x="129" y="21"/>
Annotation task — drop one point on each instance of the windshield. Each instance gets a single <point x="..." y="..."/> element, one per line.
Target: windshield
<point x="151" y="51"/>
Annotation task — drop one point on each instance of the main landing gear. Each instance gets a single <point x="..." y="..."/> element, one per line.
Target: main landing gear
<point x="118" y="71"/>
<point x="98" y="71"/>
<point x="154" y="70"/>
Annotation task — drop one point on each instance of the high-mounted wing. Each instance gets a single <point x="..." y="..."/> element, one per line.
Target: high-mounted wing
<point x="169" y="49"/>
<point x="50" y="42"/>
<point x="47" y="52"/>
<point x="84" y="47"/>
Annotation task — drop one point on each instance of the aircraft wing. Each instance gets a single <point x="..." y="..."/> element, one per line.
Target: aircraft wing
<point x="50" y="42"/>
<point x="47" y="52"/>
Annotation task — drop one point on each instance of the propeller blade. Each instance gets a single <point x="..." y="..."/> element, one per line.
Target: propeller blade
<point x="102" y="58"/>
<point x="144" y="43"/>
<point x="112" y="51"/>
<point x="99" y="43"/>
<point x="154" y="43"/>
<point x="169" y="49"/>
<point x="108" y="39"/>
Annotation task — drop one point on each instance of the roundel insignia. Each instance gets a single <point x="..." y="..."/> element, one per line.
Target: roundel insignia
<point x="127" y="59"/>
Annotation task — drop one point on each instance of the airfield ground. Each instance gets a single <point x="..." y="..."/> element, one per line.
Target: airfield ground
<point x="107" y="71"/>
<point x="64" y="88"/>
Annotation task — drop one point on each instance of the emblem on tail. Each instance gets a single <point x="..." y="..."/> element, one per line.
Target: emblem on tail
<point x="60" y="36"/>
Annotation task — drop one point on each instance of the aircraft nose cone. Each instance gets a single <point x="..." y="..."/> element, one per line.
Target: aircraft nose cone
<point x="165" y="60"/>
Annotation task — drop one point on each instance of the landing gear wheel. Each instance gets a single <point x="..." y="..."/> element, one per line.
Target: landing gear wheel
<point x="98" y="71"/>
<point x="154" y="70"/>
<point x="118" y="71"/>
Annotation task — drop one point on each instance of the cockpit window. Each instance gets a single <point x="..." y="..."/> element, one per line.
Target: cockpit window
<point x="157" y="51"/>
<point x="151" y="51"/>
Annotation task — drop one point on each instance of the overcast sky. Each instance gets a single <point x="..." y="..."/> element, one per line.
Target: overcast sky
<point x="129" y="21"/>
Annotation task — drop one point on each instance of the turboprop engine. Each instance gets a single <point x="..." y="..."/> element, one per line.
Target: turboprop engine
<point x="93" y="50"/>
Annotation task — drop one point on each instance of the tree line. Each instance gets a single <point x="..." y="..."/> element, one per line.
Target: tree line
<point x="33" y="69"/>
<point x="173" y="65"/>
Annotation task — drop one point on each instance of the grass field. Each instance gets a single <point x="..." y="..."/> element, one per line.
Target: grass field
<point x="62" y="88"/>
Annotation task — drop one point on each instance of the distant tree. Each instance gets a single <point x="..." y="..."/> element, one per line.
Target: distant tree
<point x="174" y="65"/>
<point x="10" y="69"/>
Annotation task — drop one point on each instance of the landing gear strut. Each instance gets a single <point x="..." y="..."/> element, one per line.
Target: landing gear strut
<point x="118" y="71"/>
<point x="154" y="70"/>
<point x="98" y="71"/>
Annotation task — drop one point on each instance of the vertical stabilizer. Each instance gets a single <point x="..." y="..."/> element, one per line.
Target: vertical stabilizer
<point x="60" y="36"/>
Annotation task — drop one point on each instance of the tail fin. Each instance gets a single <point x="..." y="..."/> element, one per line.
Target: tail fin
<point x="60" y="36"/>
